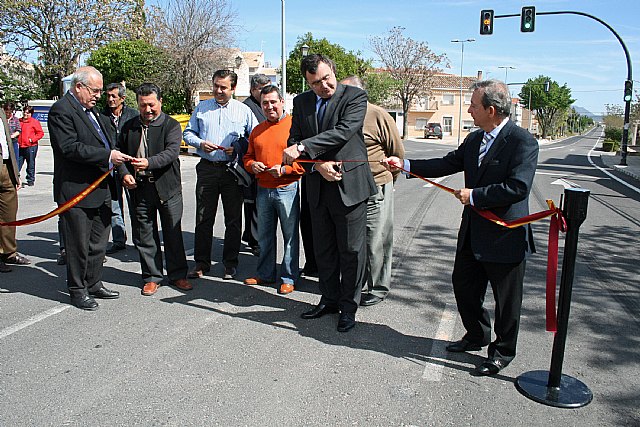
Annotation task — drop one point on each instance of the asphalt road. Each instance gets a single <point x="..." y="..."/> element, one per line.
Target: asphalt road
<point x="228" y="354"/>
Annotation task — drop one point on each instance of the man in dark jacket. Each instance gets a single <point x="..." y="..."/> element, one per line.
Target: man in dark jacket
<point x="118" y="113"/>
<point x="153" y="180"/>
<point x="250" y="234"/>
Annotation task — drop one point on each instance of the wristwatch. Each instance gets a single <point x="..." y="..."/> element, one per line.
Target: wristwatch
<point x="300" y="147"/>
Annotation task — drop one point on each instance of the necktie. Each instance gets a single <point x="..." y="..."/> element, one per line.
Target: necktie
<point x="95" y="124"/>
<point x="483" y="147"/>
<point x="321" y="109"/>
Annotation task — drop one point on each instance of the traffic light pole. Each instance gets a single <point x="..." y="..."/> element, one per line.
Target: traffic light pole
<point x="627" y="102"/>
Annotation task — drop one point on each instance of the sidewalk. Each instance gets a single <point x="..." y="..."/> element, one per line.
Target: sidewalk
<point x="632" y="168"/>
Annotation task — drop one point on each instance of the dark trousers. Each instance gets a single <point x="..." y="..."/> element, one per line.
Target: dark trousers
<point x="28" y="154"/>
<point x="250" y="234"/>
<point x="470" y="280"/>
<point x="214" y="182"/>
<point x="306" y="231"/>
<point x="145" y="208"/>
<point x="8" y="211"/>
<point x="86" y="233"/>
<point x="339" y="237"/>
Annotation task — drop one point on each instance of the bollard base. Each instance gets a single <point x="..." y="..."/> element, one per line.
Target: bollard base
<point x="572" y="392"/>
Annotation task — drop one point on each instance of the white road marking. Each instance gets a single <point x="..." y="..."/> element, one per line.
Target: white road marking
<point x="32" y="320"/>
<point x="606" y="172"/>
<point x="432" y="371"/>
<point x="434" y="180"/>
<point x="565" y="183"/>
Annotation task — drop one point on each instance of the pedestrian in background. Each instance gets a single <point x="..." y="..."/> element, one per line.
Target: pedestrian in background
<point x="30" y="133"/>
<point x="14" y="125"/>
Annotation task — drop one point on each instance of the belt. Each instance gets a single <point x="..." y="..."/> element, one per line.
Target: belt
<point x="145" y="178"/>
<point x="217" y="164"/>
<point x="6" y="161"/>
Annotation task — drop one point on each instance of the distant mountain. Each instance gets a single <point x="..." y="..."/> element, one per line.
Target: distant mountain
<point x="585" y="112"/>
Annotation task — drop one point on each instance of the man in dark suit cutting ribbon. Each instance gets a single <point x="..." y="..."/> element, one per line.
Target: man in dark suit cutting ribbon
<point x="327" y="126"/>
<point x="499" y="163"/>
<point x="82" y="145"/>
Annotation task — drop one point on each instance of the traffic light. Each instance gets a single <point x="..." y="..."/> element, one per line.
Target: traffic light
<point x="528" y="19"/>
<point x="486" y="22"/>
<point x="628" y="90"/>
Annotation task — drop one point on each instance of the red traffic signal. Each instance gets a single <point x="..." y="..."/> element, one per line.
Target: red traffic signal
<point x="486" y="22"/>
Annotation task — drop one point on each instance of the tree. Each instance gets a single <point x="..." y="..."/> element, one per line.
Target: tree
<point x="196" y="34"/>
<point x="131" y="61"/>
<point x="18" y="80"/>
<point x="411" y="63"/>
<point x="348" y="63"/>
<point x="380" y="89"/>
<point x="60" y="31"/>
<point x="551" y="106"/>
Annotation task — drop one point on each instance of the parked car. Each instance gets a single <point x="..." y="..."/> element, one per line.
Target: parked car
<point x="434" y="130"/>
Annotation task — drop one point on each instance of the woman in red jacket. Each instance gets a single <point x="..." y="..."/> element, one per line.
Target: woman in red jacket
<point x="28" y="142"/>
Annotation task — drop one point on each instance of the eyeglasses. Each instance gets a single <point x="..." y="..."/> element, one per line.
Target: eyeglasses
<point x="92" y="90"/>
<point x="318" y="83"/>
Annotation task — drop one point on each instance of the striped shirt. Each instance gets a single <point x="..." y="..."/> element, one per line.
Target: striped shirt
<point x="220" y="125"/>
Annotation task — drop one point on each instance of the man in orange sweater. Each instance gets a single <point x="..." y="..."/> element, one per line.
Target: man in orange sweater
<point x="277" y="197"/>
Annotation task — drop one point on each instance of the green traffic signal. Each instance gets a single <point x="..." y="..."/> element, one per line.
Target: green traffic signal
<point x="528" y="19"/>
<point x="628" y="91"/>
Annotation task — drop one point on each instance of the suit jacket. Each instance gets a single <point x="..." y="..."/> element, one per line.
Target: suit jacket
<point x="79" y="155"/>
<point x="127" y="114"/>
<point x="164" y="137"/>
<point x="502" y="184"/>
<point x="339" y="138"/>
<point x="13" y="166"/>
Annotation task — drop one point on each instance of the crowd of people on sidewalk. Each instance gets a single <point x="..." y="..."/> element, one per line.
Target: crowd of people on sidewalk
<point x="347" y="151"/>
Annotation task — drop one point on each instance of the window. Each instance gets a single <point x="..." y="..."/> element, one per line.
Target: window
<point x="467" y="98"/>
<point x="421" y="122"/>
<point x="447" y="123"/>
<point x="467" y="124"/>
<point x="448" y="99"/>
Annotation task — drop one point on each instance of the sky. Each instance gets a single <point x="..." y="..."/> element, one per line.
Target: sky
<point x="569" y="49"/>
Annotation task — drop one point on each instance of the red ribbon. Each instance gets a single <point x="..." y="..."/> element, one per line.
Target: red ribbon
<point x="60" y="209"/>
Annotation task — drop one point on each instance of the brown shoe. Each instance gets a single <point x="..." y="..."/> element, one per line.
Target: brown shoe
<point x="17" y="259"/>
<point x="255" y="281"/>
<point x="182" y="284"/>
<point x="286" y="288"/>
<point x="197" y="272"/>
<point x="150" y="288"/>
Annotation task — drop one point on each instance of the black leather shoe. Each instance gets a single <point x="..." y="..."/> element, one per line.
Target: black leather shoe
<point x="229" y="273"/>
<point x="346" y="322"/>
<point x="319" y="311"/>
<point x="369" y="299"/>
<point x="489" y="367"/>
<point x="463" y="345"/>
<point x="105" y="293"/>
<point x="116" y="247"/>
<point x="85" y="302"/>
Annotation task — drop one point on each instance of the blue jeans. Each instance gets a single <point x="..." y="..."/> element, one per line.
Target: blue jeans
<point x="283" y="204"/>
<point x="28" y="154"/>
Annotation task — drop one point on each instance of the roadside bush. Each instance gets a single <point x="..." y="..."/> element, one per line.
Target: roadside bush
<point x="610" y="145"/>
<point x="613" y="134"/>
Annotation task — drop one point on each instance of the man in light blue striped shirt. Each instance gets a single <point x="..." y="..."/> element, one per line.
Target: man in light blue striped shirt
<point x="214" y="129"/>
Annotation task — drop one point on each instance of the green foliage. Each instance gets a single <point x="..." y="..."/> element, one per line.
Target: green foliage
<point x="613" y="134"/>
<point x="18" y="83"/>
<point x="380" y="89"/>
<point x="550" y="107"/>
<point x="347" y="63"/>
<point x="610" y="146"/>
<point x="131" y="61"/>
<point x="173" y="102"/>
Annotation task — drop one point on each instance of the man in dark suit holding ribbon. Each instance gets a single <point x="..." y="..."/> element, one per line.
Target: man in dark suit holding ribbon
<point x="499" y="163"/>
<point x="82" y="146"/>
<point x="327" y="126"/>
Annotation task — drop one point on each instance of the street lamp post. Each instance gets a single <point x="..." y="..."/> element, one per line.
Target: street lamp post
<point x="304" y="51"/>
<point x="506" y="71"/>
<point x="462" y="42"/>
<point x="283" y="71"/>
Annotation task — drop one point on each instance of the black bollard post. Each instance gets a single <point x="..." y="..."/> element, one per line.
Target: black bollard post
<point x="553" y="388"/>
